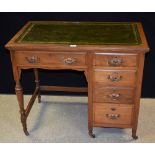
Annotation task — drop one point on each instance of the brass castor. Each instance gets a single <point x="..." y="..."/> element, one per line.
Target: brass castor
<point x="92" y="135"/>
<point x="134" y="137"/>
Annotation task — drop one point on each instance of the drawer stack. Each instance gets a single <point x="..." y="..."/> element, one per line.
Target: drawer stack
<point x="114" y="81"/>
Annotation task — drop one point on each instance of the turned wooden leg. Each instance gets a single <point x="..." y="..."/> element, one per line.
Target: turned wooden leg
<point x="91" y="133"/>
<point x="19" y="93"/>
<point x="134" y="136"/>
<point x="36" y="74"/>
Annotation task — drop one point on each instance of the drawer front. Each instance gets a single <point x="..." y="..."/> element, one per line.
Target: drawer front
<point x="113" y="114"/>
<point x="31" y="58"/>
<point x="113" y="95"/>
<point x="115" y="60"/>
<point x="115" y="77"/>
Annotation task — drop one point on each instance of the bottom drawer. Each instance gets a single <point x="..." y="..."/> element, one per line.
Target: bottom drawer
<point x="113" y="114"/>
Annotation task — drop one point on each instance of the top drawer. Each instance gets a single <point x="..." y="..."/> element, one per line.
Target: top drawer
<point x="30" y="58"/>
<point x="115" y="59"/>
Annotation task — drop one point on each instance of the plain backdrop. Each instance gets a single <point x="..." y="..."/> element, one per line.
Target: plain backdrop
<point x="12" y="22"/>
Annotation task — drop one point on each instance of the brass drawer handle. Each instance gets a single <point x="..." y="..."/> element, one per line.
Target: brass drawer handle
<point x="33" y="59"/>
<point x="114" y="78"/>
<point x="115" y="61"/>
<point x="69" y="61"/>
<point x="114" y="96"/>
<point x="113" y="116"/>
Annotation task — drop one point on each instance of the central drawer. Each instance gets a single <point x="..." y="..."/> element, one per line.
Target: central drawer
<point x="113" y="114"/>
<point x="125" y="78"/>
<point x="37" y="58"/>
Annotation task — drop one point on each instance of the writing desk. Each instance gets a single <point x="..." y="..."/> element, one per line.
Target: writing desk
<point x="111" y="55"/>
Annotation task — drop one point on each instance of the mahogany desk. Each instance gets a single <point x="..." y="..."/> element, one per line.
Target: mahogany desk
<point x="111" y="55"/>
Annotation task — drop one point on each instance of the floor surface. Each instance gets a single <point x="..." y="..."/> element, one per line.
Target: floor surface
<point x="63" y="119"/>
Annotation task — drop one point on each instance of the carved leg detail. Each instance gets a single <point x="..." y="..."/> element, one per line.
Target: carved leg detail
<point x="36" y="74"/>
<point x="134" y="136"/>
<point x="91" y="133"/>
<point x="19" y="93"/>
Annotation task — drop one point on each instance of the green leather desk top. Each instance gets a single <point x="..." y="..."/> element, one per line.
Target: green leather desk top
<point x="81" y="33"/>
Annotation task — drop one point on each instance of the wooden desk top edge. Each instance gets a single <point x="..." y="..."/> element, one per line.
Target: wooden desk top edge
<point x="11" y="45"/>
